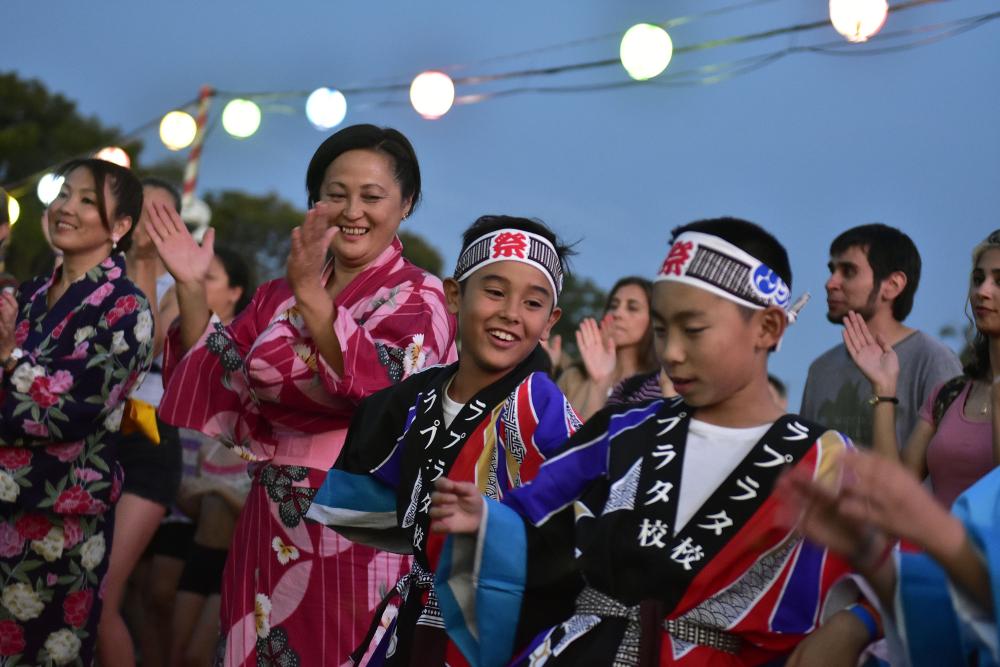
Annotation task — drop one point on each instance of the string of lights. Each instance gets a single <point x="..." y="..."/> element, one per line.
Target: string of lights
<point x="646" y="50"/>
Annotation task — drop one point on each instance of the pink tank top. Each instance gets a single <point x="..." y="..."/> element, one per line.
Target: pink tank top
<point x="961" y="450"/>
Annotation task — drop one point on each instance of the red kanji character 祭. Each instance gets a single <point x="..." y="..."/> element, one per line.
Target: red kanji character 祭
<point x="678" y="257"/>
<point x="510" y="244"/>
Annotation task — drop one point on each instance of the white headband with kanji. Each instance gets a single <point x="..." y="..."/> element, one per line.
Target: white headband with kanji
<point x="505" y="245"/>
<point x="713" y="264"/>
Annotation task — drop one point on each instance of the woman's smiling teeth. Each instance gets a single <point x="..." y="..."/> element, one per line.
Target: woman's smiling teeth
<point x="354" y="231"/>
<point x="502" y="335"/>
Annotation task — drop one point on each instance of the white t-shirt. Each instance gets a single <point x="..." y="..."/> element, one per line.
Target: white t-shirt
<point x="151" y="389"/>
<point x="711" y="453"/>
<point x="449" y="407"/>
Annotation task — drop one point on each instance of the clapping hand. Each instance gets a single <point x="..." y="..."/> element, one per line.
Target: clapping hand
<point x="597" y="348"/>
<point x="456" y="507"/>
<point x="186" y="261"/>
<point x="875" y="358"/>
<point x="307" y="258"/>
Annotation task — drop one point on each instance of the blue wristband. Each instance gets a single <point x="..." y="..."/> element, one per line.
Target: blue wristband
<point x="865" y="617"/>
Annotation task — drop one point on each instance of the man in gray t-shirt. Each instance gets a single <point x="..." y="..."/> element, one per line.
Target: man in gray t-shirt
<point x="874" y="271"/>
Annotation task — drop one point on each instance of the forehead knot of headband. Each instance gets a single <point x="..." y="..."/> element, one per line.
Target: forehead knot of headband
<point x="516" y="245"/>
<point x="713" y="264"/>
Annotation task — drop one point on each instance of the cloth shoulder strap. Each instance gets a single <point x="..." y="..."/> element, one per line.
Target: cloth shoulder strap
<point x="946" y="396"/>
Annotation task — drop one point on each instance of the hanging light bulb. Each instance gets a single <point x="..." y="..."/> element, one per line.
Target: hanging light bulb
<point x="13" y="209"/>
<point x="177" y="130"/>
<point x="432" y="94"/>
<point x="241" y="118"/>
<point x="857" y="20"/>
<point x="116" y="155"/>
<point x="326" y="108"/>
<point x="645" y="51"/>
<point x="48" y="188"/>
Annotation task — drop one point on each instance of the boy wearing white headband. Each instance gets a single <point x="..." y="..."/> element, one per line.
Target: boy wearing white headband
<point x="664" y="507"/>
<point x="490" y="419"/>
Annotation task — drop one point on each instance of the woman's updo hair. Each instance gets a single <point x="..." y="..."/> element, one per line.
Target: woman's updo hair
<point x="124" y="186"/>
<point x="384" y="140"/>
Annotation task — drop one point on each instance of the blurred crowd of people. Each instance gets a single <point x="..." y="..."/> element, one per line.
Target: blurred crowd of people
<point x="363" y="463"/>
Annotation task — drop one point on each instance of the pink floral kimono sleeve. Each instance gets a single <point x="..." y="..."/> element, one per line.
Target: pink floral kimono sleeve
<point x="409" y="330"/>
<point x="206" y="390"/>
<point x="260" y="381"/>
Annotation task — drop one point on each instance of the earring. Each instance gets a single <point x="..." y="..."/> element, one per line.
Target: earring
<point x="114" y="244"/>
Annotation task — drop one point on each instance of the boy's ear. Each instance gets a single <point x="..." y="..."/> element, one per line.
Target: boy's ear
<point x="773" y="322"/>
<point x="553" y="318"/>
<point x="452" y="295"/>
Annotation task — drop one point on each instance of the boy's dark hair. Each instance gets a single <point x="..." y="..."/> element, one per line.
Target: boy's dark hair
<point x="163" y="184"/>
<point x="123" y="184"/>
<point x="888" y="250"/>
<point x="491" y="223"/>
<point x="4" y="213"/>
<point x="384" y="140"/>
<point x="239" y="275"/>
<point x="752" y="239"/>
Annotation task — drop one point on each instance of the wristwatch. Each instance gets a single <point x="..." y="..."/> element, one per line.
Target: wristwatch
<point x="876" y="399"/>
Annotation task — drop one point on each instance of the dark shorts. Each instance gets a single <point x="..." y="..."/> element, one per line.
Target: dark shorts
<point x="172" y="539"/>
<point x="152" y="471"/>
<point x="203" y="571"/>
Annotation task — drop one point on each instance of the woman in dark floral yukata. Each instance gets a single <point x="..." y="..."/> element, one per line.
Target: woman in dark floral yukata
<point x="72" y="346"/>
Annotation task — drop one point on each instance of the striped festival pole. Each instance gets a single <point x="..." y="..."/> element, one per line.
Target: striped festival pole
<point x="194" y="157"/>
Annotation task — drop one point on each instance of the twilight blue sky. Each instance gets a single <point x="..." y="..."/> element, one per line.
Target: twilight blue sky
<point x="807" y="146"/>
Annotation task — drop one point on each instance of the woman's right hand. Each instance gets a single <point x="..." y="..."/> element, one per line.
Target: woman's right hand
<point x="875" y="358"/>
<point x="456" y="507"/>
<point x="597" y="348"/>
<point x="8" y="322"/>
<point x="186" y="261"/>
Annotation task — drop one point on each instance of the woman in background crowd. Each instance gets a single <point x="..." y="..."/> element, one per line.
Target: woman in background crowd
<point x="622" y="346"/>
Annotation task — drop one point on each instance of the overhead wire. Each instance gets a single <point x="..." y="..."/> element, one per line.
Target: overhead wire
<point x="708" y="74"/>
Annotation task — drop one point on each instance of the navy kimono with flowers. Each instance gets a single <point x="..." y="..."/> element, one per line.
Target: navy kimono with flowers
<point x="61" y="406"/>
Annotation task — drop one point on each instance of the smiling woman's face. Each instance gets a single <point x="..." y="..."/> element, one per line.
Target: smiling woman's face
<point x="366" y="204"/>
<point x="74" y="220"/>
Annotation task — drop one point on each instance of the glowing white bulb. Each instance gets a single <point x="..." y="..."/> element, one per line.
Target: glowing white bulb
<point x="48" y="188"/>
<point x="326" y="108"/>
<point x="177" y="130"/>
<point x="432" y="94"/>
<point x="116" y="155"/>
<point x="241" y="118"/>
<point x="857" y="20"/>
<point x="13" y="210"/>
<point x="645" y="51"/>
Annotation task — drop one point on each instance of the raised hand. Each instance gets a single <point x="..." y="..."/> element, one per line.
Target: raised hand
<point x="875" y="358"/>
<point x="186" y="261"/>
<point x="8" y="321"/>
<point x="553" y="348"/>
<point x="888" y="496"/>
<point x="597" y="348"/>
<point x="307" y="258"/>
<point x="456" y="507"/>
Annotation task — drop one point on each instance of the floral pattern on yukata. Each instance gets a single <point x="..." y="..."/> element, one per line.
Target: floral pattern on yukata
<point x="61" y="407"/>
<point x="293" y="501"/>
